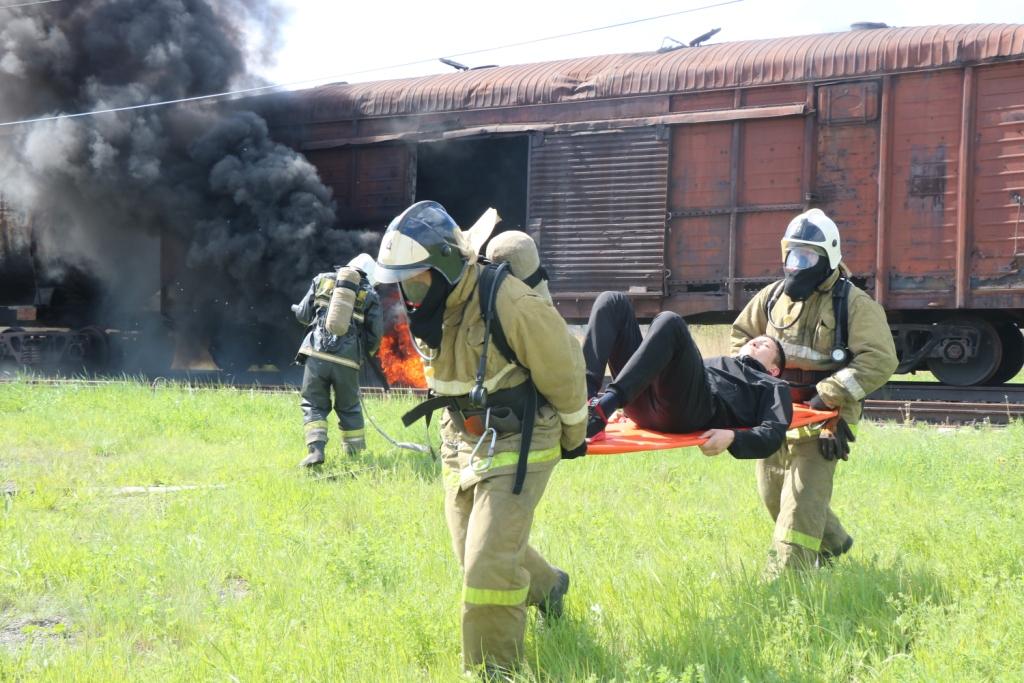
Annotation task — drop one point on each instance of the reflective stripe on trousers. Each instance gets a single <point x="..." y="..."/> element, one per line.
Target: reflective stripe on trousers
<point x="490" y="529"/>
<point x="796" y="488"/>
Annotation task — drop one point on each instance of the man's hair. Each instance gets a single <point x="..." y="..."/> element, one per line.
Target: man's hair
<point x="782" y="353"/>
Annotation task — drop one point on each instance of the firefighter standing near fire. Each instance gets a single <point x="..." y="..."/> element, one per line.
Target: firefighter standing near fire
<point x="344" y="326"/>
<point x="813" y="311"/>
<point x="489" y="509"/>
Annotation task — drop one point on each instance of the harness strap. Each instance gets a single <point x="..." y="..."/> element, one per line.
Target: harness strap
<point x="526" y="436"/>
<point x="534" y="278"/>
<point x="427" y="408"/>
<point x="490" y="279"/>
<point x="840" y="308"/>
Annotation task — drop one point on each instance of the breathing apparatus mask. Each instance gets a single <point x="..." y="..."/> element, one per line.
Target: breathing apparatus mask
<point x="805" y="269"/>
<point x="424" y="304"/>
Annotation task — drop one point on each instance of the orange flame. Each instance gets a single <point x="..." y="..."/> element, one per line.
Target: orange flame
<point x="402" y="365"/>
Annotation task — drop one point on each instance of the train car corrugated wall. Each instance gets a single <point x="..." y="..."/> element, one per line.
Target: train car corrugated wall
<point x="997" y="237"/>
<point x="597" y="209"/>
<point x="922" y="217"/>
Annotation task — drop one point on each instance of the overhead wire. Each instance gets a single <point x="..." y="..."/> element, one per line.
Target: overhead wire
<point x="275" y="86"/>
<point x="29" y="4"/>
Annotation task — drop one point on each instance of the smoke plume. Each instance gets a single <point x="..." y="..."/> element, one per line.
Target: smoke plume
<point x="250" y="217"/>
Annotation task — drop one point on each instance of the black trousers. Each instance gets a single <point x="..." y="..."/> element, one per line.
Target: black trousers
<point x="661" y="378"/>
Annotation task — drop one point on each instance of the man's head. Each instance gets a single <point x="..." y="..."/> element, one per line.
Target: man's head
<point x="810" y="253"/>
<point x="422" y="237"/>
<point x="768" y="352"/>
<point x="424" y="252"/>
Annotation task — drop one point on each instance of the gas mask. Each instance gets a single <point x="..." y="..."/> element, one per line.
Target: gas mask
<point x="424" y="304"/>
<point x="805" y="269"/>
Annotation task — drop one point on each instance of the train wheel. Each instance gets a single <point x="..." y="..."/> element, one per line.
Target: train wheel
<point x="97" y="348"/>
<point x="1013" y="353"/>
<point x="974" y="371"/>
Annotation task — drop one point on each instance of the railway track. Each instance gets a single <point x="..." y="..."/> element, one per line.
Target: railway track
<point x="904" y="402"/>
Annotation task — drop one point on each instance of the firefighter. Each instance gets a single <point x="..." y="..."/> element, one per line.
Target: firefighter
<point x="333" y="361"/>
<point x="489" y="500"/>
<point x="838" y="350"/>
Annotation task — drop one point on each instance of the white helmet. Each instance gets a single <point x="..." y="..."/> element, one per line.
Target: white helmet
<point x="814" y="229"/>
<point x="365" y="263"/>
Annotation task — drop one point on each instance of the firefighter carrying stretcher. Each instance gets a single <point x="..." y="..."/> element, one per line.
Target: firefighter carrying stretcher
<point x="839" y="349"/>
<point x="662" y="383"/>
<point x="506" y="421"/>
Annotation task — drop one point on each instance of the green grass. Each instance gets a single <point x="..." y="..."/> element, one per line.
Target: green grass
<point x="267" y="573"/>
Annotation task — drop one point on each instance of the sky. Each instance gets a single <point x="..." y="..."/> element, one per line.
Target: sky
<point x="331" y="42"/>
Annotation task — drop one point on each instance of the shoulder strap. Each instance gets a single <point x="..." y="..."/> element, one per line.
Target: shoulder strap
<point x="841" y="310"/>
<point x="491" y="278"/>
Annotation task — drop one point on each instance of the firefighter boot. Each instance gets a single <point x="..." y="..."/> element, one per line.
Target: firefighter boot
<point x="316" y="455"/>
<point x="828" y="557"/>
<point x="552" y="606"/>
<point x="353" y="447"/>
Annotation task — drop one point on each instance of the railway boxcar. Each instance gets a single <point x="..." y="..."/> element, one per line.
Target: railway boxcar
<point x="672" y="175"/>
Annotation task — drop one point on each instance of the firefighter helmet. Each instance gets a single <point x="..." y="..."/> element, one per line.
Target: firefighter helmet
<point x="814" y="229"/>
<point x="423" y="236"/>
<point x="365" y="263"/>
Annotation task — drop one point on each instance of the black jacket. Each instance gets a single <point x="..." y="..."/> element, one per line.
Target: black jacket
<point x="747" y="396"/>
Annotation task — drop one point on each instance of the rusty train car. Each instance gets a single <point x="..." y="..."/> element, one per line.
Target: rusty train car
<point x="672" y="175"/>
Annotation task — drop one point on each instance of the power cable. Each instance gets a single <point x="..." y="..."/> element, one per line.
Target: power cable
<point x="274" y="86"/>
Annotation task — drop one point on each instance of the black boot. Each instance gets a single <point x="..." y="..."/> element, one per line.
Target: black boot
<point x="828" y="557"/>
<point x="552" y="606"/>
<point x="316" y="455"/>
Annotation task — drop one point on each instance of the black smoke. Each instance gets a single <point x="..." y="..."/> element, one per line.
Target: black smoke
<point x="248" y="218"/>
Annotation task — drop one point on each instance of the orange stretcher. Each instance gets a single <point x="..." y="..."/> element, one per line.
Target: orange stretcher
<point x="623" y="436"/>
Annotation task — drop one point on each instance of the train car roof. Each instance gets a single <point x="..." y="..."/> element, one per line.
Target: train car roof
<point x="749" y="63"/>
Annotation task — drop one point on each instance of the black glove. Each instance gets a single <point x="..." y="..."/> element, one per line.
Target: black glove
<point x="834" y="439"/>
<point x="569" y="454"/>
<point x="817" y="404"/>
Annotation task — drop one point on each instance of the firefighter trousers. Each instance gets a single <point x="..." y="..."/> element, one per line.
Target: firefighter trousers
<point x="796" y="487"/>
<point x="318" y="379"/>
<point x="502" y="573"/>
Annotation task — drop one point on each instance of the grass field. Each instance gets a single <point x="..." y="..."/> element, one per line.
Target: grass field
<point x="263" y="572"/>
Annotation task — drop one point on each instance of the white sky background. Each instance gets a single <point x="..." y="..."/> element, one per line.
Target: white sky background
<point x="327" y="41"/>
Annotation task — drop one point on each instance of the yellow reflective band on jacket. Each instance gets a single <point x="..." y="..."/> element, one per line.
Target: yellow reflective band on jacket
<point x="506" y="459"/>
<point x="848" y="378"/>
<point x="574" y="417"/>
<point x="324" y="289"/>
<point x="805" y="432"/>
<point x="803" y="540"/>
<point x="461" y="388"/>
<point x="488" y="596"/>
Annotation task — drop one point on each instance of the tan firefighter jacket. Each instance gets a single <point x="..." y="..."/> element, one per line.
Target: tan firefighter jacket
<point x="541" y="340"/>
<point x="809" y="342"/>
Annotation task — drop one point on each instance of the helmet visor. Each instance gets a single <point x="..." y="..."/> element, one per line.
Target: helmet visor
<point x="415" y="288"/>
<point x="801" y="258"/>
<point x="805" y="231"/>
<point x="388" y="275"/>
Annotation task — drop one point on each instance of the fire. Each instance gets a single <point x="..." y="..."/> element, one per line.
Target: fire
<point x="402" y="365"/>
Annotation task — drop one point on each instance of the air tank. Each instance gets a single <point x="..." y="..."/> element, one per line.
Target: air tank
<point x="343" y="301"/>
